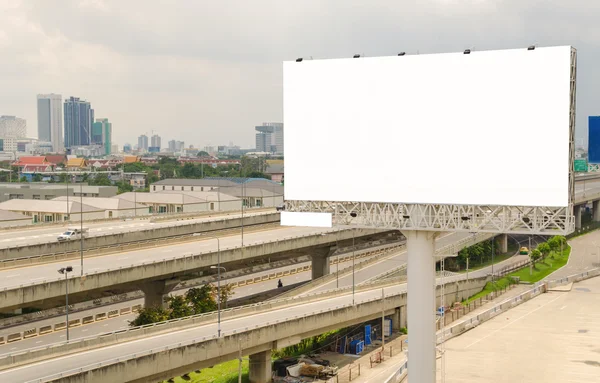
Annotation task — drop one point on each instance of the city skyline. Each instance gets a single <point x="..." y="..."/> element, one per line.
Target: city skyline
<point x="214" y="90"/>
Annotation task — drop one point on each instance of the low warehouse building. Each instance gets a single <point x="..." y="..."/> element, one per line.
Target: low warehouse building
<point x="11" y="219"/>
<point x="113" y="207"/>
<point x="52" y="211"/>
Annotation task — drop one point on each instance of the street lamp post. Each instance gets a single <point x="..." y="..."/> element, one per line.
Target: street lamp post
<point x="493" y="259"/>
<point x="81" y="224"/>
<point x="218" y="267"/>
<point x="353" y="247"/>
<point x="65" y="271"/>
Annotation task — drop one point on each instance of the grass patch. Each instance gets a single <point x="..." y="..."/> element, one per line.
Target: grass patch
<point x="544" y="268"/>
<point x="221" y="373"/>
<point x="488" y="262"/>
<point x="489" y="288"/>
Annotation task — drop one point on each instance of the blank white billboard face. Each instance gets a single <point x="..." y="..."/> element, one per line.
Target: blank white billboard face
<point x="488" y="128"/>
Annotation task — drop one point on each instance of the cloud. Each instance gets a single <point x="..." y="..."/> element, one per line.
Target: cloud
<point x="208" y="71"/>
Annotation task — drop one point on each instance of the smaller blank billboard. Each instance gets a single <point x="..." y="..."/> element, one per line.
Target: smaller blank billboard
<point x="433" y="129"/>
<point x="594" y="139"/>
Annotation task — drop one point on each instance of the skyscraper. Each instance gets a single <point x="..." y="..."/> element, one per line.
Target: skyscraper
<point x="50" y="119"/>
<point x="142" y="143"/>
<point x="12" y="127"/>
<point x="155" y="142"/>
<point x="79" y="116"/>
<point x="172" y="146"/>
<point x="270" y="137"/>
<point x="102" y="134"/>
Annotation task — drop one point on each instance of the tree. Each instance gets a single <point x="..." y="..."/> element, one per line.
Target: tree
<point x="37" y="178"/>
<point x="63" y="177"/>
<point x="535" y="255"/>
<point x="179" y="307"/>
<point x="149" y="315"/>
<point x="23" y="179"/>
<point x="202" y="299"/>
<point x="135" y="167"/>
<point x="101" y="180"/>
<point x="544" y="249"/>
<point x="123" y="187"/>
<point x="226" y="293"/>
<point x="202" y="153"/>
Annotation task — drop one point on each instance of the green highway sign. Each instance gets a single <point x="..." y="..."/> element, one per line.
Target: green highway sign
<point x="581" y="165"/>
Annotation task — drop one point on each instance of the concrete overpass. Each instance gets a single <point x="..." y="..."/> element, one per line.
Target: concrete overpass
<point x="157" y="272"/>
<point x="368" y="266"/>
<point x="105" y="237"/>
<point x="47" y="232"/>
<point x="176" y="347"/>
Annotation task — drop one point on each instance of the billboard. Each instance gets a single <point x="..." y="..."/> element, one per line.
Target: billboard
<point x="430" y="129"/>
<point x="594" y="139"/>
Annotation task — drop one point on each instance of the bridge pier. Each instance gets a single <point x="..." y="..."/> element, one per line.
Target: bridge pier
<point x="399" y="318"/>
<point x="155" y="291"/>
<point x="596" y="210"/>
<point x="260" y="367"/>
<point x="421" y="299"/>
<point x="320" y="261"/>
<point x="503" y="242"/>
<point x="577" y="216"/>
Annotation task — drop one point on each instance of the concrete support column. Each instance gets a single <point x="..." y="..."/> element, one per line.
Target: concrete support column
<point x="421" y="299"/>
<point x="577" y="209"/>
<point x="155" y="291"/>
<point x="596" y="210"/>
<point x="260" y="367"/>
<point x="399" y="318"/>
<point x="503" y="242"/>
<point x="320" y="261"/>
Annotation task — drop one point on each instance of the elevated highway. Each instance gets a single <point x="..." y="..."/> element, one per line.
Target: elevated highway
<point x="156" y="271"/>
<point x="160" y="351"/>
<point x="47" y="232"/>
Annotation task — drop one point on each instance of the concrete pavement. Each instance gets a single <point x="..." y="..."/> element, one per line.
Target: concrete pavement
<point x="552" y="338"/>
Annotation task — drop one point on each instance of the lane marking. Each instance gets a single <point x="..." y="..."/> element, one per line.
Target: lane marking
<point x="516" y="320"/>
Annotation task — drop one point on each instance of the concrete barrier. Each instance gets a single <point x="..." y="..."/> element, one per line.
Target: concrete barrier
<point x="100" y="316"/>
<point x="14" y="337"/>
<point x="30" y="333"/>
<point x="2" y="340"/>
<point x="45" y="330"/>
<point x="87" y="319"/>
<point x="60" y="326"/>
<point x="113" y="313"/>
<point x="75" y="323"/>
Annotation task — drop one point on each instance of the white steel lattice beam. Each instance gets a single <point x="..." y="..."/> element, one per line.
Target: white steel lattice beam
<point x="429" y="217"/>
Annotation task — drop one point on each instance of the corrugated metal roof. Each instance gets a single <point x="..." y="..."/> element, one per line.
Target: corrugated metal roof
<point x="6" y="215"/>
<point x="44" y="206"/>
<point x="159" y="198"/>
<point x="104" y="203"/>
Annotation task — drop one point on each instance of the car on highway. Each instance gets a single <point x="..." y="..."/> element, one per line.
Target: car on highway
<point x="72" y="233"/>
<point x="524" y="250"/>
<point x="280" y="207"/>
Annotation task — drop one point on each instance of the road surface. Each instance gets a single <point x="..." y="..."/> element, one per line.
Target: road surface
<point x="48" y="233"/>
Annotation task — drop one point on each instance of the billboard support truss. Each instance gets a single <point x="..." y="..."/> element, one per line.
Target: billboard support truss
<point x="429" y="217"/>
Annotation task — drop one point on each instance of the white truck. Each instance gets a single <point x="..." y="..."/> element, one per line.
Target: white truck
<point x="72" y="234"/>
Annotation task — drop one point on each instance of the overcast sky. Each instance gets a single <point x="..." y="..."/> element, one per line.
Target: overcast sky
<point x="207" y="71"/>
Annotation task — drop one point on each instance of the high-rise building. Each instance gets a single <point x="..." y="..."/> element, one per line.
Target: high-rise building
<point x="179" y="145"/>
<point x="102" y="134"/>
<point x="155" y="142"/>
<point x="127" y="148"/>
<point x="50" y="120"/>
<point x="79" y="116"/>
<point x="270" y="138"/>
<point x="12" y="127"/>
<point x="172" y="146"/>
<point x="143" y="143"/>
